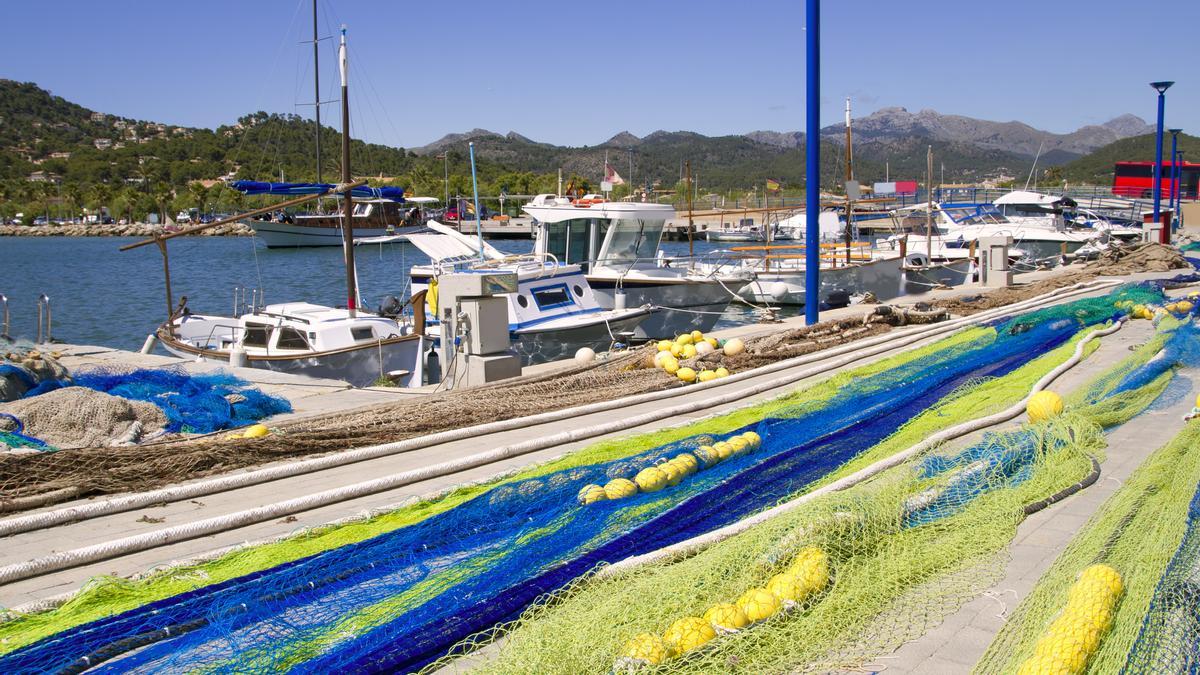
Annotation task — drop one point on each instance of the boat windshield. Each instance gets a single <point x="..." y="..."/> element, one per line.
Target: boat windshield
<point x="974" y="214"/>
<point x="632" y="239"/>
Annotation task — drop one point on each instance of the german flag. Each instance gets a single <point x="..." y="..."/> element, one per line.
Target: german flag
<point x="773" y="185"/>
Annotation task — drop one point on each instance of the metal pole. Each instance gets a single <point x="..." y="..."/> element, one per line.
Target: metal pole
<point x="812" y="188"/>
<point x="1174" y="178"/>
<point x="475" y="187"/>
<point x="691" y="225"/>
<point x="4" y="306"/>
<point x="1161" y="87"/>
<point x="929" y="205"/>
<point x="446" y="175"/>
<point x="317" y="87"/>
<point x="347" y="198"/>
<point x="162" y="247"/>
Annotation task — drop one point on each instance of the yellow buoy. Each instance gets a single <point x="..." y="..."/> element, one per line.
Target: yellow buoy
<point x="1184" y="306"/>
<point x="676" y="349"/>
<point x="647" y="648"/>
<point x="722" y="372"/>
<point x="787" y="587"/>
<point x="706" y="455"/>
<point x="669" y="364"/>
<point x="664" y="345"/>
<point x="590" y="494"/>
<point x="689" y="351"/>
<point x="1043" y="406"/>
<point x="740" y="445"/>
<point x="651" y="479"/>
<point x="688" y="633"/>
<point x="811" y="567"/>
<point x="724" y="450"/>
<point x="726" y="616"/>
<point x="697" y="336"/>
<point x="686" y="374"/>
<point x="673" y="472"/>
<point x="684" y="339"/>
<point x="758" y="604"/>
<point x="754" y="438"/>
<point x="256" y="431"/>
<point x="688" y="461"/>
<point x="619" y="488"/>
<point x="706" y="376"/>
<point x="734" y="347"/>
<point x="713" y="342"/>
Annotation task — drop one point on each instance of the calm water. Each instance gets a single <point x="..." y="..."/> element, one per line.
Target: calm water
<point x="103" y="296"/>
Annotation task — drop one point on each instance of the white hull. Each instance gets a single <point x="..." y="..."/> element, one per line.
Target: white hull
<point x="683" y="305"/>
<point x="292" y="235"/>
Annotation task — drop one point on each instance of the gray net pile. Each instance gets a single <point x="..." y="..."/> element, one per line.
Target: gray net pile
<point x="75" y="417"/>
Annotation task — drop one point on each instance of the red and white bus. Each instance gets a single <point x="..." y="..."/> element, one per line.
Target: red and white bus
<point x="1136" y="179"/>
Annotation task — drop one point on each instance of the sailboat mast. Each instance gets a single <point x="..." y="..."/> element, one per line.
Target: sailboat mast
<point x="929" y="206"/>
<point x="317" y="87"/>
<point x="347" y="200"/>
<point x="849" y="177"/>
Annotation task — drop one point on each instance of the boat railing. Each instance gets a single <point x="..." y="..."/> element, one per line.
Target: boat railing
<point x="233" y="328"/>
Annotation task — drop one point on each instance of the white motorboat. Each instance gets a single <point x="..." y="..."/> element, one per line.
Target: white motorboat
<point x="552" y="314"/>
<point x="958" y="227"/>
<point x="299" y="337"/>
<point x="617" y="246"/>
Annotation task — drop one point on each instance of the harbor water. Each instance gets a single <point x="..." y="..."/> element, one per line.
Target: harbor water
<point x="102" y="296"/>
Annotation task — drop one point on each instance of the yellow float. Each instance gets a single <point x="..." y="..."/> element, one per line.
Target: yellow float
<point x="650" y="479"/>
<point x="619" y="488"/>
<point x="1044" y="405"/>
<point x="688" y="633"/>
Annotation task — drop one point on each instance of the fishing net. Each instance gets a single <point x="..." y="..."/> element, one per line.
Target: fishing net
<point x="400" y="599"/>
<point x="79" y="417"/>
<point x="1135" y="532"/>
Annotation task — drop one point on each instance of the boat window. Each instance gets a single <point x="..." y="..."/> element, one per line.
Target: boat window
<point x="567" y="241"/>
<point x="362" y="333"/>
<point x="361" y="209"/>
<point x="522" y="301"/>
<point x="549" y="297"/>
<point x="633" y="239"/>
<point x="256" y="335"/>
<point x="290" y="338"/>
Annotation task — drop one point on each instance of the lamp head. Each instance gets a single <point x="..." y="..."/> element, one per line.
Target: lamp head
<point x="1161" y="87"/>
<point x="1174" y="132"/>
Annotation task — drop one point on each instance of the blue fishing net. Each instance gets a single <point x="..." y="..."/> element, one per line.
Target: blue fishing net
<point x="192" y="403"/>
<point x="403" y="598"/>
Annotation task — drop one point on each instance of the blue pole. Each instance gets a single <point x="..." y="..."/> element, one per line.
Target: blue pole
<point x="1158" y="141"/>
<point x="812" y="188"/>
<point x="475" y="187"/>
<point x="1174" y="179"/>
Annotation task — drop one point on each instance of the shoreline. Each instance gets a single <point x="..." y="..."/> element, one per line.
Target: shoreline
<point x="128" y="230"/>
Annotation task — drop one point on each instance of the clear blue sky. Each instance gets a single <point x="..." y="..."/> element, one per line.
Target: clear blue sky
<point x="575" y="73"/>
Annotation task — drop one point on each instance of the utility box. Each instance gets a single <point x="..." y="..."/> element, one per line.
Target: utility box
<point x="487" y="324"/>
<point x="993" y="262"/>
<point x="1159" y="232"/>
<point x="473" y="370"/>
<point x="474" y="337"/>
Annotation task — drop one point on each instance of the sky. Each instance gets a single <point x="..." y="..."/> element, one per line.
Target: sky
<point x="577" y="73"/>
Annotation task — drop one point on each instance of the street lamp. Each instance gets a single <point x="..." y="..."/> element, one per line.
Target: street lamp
<point x="1174" y="178"/>
<point x="1161" y="88"/>
<point x="1179" y="190"/>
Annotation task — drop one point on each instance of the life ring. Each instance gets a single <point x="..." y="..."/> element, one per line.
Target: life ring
<point x="587" y="202"/>
<point x="431" y="297"/>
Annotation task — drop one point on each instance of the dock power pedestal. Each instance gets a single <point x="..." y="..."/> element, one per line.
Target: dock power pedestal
<point x="993" y="262"/>
<point x="475" y="347"/>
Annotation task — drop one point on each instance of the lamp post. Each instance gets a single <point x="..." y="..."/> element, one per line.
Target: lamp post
<point x="1179" y="191"/>
<point x="1161" y="88"/>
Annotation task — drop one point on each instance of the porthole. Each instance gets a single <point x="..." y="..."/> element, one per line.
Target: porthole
<point x="522" y="301"/>
<point x="578" y="290"/>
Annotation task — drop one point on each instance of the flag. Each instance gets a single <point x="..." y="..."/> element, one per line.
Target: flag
<point x="611" y="175"/>
<point x="772" y="185"/>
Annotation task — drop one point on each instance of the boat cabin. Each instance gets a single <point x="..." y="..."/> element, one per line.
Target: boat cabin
<point x="287" y="328"/>
<point x="591" y="232"/>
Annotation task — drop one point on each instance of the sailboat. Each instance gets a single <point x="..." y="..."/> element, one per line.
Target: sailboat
<point x="390" y="213"/>
<point x="342" y="343"/>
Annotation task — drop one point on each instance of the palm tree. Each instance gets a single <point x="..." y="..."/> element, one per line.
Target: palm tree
<point x="198" y="193"/>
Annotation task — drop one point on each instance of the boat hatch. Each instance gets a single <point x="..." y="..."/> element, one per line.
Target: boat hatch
<point x="362" y="333"/>
<point x="550" y="297"/>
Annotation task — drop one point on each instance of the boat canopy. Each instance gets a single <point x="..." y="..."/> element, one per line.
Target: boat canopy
<point x="254" y="187"/>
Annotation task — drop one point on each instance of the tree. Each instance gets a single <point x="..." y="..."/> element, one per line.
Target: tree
<point x="198" y="193"/>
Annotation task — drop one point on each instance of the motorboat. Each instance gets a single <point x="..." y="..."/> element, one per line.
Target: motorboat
<point x="372" y="218"/>
<point x="616" y="244"/>
<point x="554" y="310"/>
<point x="1061" y="213"/>
<point x="745" y="230"/>
<point x="303" y="338"/>
<point x="958" y="227"/>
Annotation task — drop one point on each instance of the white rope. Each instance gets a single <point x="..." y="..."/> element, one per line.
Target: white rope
<point x="163" y="537"/>
<point x="95" y="509"/>
<point x="691" y="546"/>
